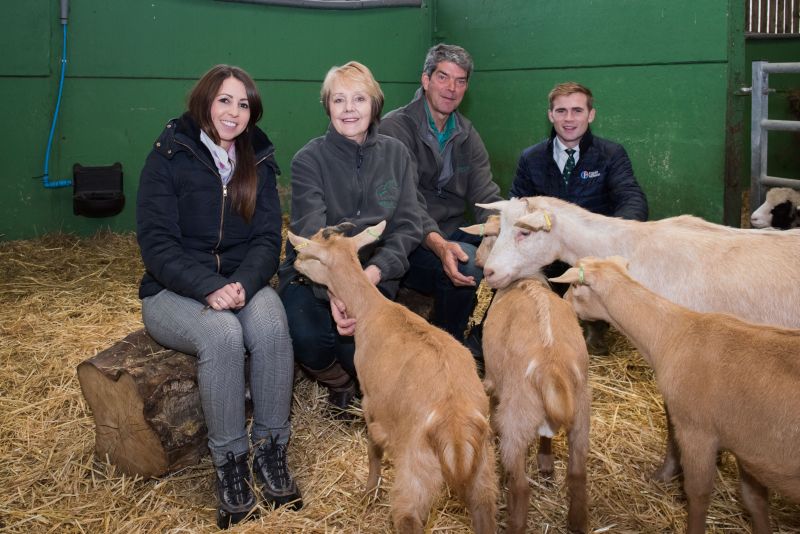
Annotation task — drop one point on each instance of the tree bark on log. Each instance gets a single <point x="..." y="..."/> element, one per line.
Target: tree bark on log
<point x="146" y="406"/>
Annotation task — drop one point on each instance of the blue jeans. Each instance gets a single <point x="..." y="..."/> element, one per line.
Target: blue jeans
<point x="219" y="340"/>
<point x="452" y="305"/>
<point x="317" y="344"/>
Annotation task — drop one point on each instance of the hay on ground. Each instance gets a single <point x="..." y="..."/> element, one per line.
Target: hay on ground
<point x="63" y="299"/>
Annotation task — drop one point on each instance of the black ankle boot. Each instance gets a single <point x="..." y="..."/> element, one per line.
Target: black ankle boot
<point x="235" y="499"/>
<point x="341" y="402"/>
<point x="342" y="390"/>
<point x="272" y="473"/>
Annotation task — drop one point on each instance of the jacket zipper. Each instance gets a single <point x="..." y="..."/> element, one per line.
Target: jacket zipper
<point x="359" y="161"/>
<point x="215" y="250"/>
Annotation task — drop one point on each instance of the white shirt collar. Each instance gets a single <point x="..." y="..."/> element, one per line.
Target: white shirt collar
<point x="560" y="154"/>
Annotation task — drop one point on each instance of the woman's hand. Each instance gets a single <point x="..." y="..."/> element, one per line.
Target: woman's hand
<point x="373" y="272"/>
<point x="228" y="297"/>
<point x="346" y="326"/>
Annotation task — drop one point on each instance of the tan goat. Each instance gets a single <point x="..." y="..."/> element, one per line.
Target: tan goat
<point x="423" y="401"/>
<point x="729" y="384"/>
<point x="537" y="375"/>
<point x="703" y="266"/>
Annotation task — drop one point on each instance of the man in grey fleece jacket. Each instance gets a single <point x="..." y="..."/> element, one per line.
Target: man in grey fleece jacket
<point x="453" y="173"/>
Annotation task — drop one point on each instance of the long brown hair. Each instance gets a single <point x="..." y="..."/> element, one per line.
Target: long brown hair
<point x="244" y="181"/>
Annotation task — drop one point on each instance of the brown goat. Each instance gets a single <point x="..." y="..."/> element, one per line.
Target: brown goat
<point x="729" y="384"/>
<point x="537" y="375"/>
<point x="423" y="401"/>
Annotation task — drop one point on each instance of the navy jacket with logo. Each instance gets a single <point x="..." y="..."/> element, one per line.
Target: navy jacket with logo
<point x="603" y="180"/>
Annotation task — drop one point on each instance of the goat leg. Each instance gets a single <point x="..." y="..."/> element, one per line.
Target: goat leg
<point x="519" y="491"/>
<point x="578" y="447"/>
<point x="375" y="455"/>
<point x="699" y="454"/>
<point x="755" y="498"/>
<point x="671" y="465"/>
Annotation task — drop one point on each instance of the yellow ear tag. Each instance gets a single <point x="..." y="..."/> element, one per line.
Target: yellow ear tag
<point x="373" y="234"/>
<point x="580" y="275"/>
<point x="483" y="229"/>
<point x="301" y="245"/>
<point x="547" y="222"/>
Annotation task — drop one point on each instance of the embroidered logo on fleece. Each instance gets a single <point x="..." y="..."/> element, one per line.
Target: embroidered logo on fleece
<point x="387" y="194"/>
<point x="585" y="175"/>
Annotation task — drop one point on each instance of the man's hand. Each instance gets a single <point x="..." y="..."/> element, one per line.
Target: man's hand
<point x="450" y="254"/>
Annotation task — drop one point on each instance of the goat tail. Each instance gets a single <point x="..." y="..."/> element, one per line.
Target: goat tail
<point x="558" y="396"/>
<point x="460" y="443"/>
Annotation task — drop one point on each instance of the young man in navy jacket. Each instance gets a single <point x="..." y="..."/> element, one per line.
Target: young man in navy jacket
<point x="578" y="167"/>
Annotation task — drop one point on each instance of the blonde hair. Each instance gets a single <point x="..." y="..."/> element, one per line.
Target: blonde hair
<point x="570" y="88"/>
<point x="356" y="74"/>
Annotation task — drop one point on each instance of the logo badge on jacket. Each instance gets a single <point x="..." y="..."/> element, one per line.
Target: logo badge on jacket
<point x="585" y="175"/>
<point x="388" y="193"/>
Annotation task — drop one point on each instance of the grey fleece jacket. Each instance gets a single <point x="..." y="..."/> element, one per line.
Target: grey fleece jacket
<point x="336" y="180"/>
<point x="444" y="207"/>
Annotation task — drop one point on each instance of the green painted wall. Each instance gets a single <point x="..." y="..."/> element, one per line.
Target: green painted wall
<point x="783" y="147"/>
<point x="130" y="66"/>
<point x="660" y="72"/>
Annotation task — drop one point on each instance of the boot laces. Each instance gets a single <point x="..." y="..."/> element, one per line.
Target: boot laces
<point x="234" y="480"/>
<point x="271" y="458"/>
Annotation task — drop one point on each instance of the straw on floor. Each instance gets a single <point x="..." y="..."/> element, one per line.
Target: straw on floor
<point x="62" y="299"/>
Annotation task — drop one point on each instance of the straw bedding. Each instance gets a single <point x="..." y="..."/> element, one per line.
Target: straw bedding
<point x="62" y="299"/>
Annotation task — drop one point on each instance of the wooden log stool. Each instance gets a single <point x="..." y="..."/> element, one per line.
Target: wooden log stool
<point x="146" y="406"/>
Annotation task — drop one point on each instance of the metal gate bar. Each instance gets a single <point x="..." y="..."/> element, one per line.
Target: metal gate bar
<point x="760" y="125"/>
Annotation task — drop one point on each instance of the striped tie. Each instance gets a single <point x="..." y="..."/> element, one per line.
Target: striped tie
<point x="569" y="166"/>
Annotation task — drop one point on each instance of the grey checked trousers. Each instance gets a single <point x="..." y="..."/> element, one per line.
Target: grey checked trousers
<point x="219" y="340"/>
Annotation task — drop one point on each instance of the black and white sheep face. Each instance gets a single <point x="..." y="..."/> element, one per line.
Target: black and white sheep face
<point x="780" y="210"/>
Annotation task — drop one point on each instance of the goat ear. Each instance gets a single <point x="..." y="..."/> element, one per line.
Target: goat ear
<point x="538" y="220"/>
<point x="572" y="275"/>
<point x="490" y="228"/>
<point x="497" y="205"/>
<point x="369" y="235"/>
<point x="297" y="241"/>
<point x="475" y="229"/>
<point x="492" y="225"/>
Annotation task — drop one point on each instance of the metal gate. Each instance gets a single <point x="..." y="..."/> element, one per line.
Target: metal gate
<point x="759" y="126"/>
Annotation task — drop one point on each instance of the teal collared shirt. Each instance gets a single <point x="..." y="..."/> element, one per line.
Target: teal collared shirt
<point x="449" y="127"/>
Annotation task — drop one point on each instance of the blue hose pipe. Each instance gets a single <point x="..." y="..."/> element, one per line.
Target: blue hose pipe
<point x="46" y="178"/>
